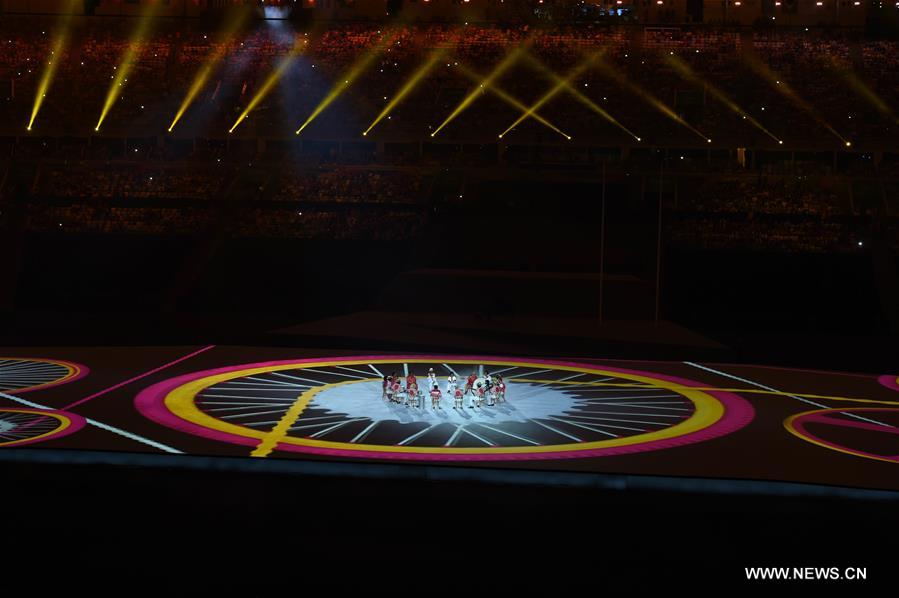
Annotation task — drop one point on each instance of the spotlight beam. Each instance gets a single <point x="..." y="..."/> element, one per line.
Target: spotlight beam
<point x="128" y="60"/>
<point x="59" y="44"/>
<point x="411" y="83"/>
<point x="556" y="89"/>
<point x="685" y="71"/>
<point x="49" y="72"/>
<point x="505" y="64"/>
<point x="509" y="99"/>
<point x="348" y="78"/>
<point x="784" y="88"/>
<point x="862" y="89"/>
<point x="215" y="57"/>
<point x="269" y="83"/>
<point x="195" y="87"/>
<point x="649" y="98"/>
<point x="579" y="96"/>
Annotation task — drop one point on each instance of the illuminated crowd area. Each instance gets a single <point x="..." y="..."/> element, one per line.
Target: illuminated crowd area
<point x="780" y="139"/>
<point x="395" y="81"/>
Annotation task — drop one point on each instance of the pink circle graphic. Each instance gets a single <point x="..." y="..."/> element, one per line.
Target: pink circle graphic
<point x="79" y="371"/>
<point x="737" y="413"/>
<point x="76" y="422"/>
<point x="799" y="425"/>
<point x="891" y="381"/>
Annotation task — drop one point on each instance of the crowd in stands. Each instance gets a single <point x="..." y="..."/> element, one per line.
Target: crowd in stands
<point x="751" y="195"/>
<point x="807" y="88"/>
<point x="346" y="224"/>
<point x="349" y="224"/>
<point x="812" y="89"/>
<point x="749" y="211"/>
<point x="126" y="181"/>
<point x="795" y="214"/>
<point x="351" y="186"/>
<point x="105" y="218"/>
<point x="119" y="197"/>
<point x="706" y="232"/>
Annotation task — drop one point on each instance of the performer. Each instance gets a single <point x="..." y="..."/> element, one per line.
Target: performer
<point x="397" y="390"/>
<point x="411" y="380"/>
<point x="432" y="378"/>
<point x="480" y="395"/>
<point x="458" y="398"/>
<point x="501" y="389"/>
<point x="435" y="397"/>
<point x="451" y="385"/>
<point x="385" y="382"/>
<point x="412" y="391"/>
<point x="388" y="388"/>
<point x="469" y="384"/>
<point x="491" y="397"/>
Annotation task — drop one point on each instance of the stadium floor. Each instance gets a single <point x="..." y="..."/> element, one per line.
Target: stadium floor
<point x="582" y="418"/>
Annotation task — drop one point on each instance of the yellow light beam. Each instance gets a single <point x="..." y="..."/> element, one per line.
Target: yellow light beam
<point x="649" y="98"/>
<point x="127" y="63"/>
<point x="556" y="89"/>
<point x="198" y="83"/>
<point x="348" y="78"/>
<point x="47" y="77"/>
<point x="509" y="99"/>
<point x="505" y="64"/>
<point x="407" y="88"/>
<point x="215" y="57"/>
<point x="53" y="62"/>
<point x="579" y="96"/>
<point x="861" y="88"/>
<point x="689" y="74"/>
<point x="273" y="78"/>
<point x="784" y="88"/>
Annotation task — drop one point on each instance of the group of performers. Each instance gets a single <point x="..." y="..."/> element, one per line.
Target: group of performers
<point x="479" y="389"/>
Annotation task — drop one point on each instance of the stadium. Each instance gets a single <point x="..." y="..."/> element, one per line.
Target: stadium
<point x="563" y="294"/>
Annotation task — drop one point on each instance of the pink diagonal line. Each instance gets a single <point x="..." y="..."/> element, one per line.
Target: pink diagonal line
<point x="136" y="378"/>
<point x="833" y="421"/>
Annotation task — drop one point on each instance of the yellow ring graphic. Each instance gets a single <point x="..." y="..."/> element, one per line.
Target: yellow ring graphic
<point x="64" y="423"/>
<point x="72" y="369"/>
<point x="180" y="402"/>
<point x="789" y="425"/>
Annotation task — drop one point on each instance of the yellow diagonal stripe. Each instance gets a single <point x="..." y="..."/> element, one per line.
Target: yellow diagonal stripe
<point x="279" y="432"/>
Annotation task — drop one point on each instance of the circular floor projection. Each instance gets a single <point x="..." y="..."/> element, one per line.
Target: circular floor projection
<point x="23" y="374"/>
<point x="335" y="406"/>
<point x="21" y="426"/>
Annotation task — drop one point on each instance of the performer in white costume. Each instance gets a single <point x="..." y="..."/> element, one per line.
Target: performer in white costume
<point x="479" y="392"/>
<point x="451" y="385"/>
<point x="432" y="379"/>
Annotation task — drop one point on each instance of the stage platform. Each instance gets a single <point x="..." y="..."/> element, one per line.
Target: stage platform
<point x="566" y="422"/>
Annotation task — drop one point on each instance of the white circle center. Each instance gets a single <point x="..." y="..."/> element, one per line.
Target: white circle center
<point x="524" y="401"/>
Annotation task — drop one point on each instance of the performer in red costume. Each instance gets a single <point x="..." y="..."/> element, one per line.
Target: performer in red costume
<point x="435" y="397"/>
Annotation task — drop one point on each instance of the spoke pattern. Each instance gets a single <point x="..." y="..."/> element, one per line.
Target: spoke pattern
<point x="15" y="427"/>
<point x="19" y="374"/>
<point x="595" y="408"/>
